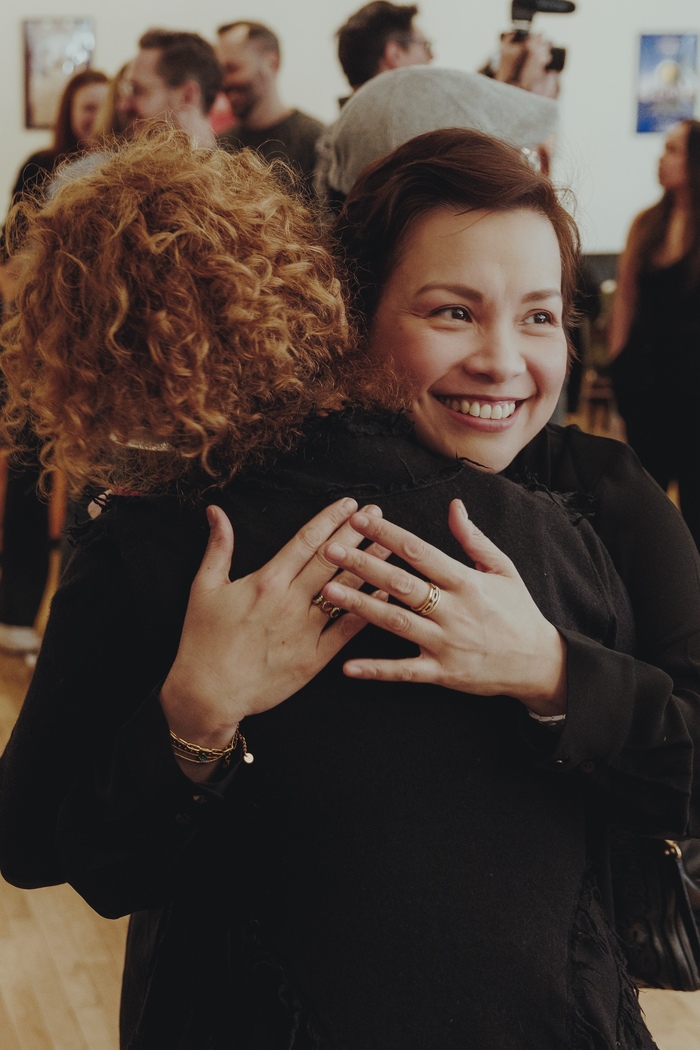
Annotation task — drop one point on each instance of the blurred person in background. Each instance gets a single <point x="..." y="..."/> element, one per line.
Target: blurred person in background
<point x="655" y="326"/>
<point x="175" y="77"/>
<point x="378" y="37"/>
<point x="31" y="526"/>
<point x="250" y="57"/>
<point x="78" y="112"/>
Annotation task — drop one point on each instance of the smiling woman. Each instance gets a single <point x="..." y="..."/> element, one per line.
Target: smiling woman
<point x="465" y="265"/>
<point x="473" y="313"/>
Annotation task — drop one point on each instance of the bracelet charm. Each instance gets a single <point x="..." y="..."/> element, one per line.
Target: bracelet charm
<point x="208" y="755"/>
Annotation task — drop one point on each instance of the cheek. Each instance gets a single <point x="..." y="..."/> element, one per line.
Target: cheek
<point x="549" y="373"/>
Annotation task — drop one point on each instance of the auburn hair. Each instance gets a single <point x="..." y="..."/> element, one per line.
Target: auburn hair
<point x="454" y="168"/>
<point x="64" y="139"/>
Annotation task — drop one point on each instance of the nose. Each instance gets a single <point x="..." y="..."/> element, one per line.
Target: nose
<point x="495" y="356"/>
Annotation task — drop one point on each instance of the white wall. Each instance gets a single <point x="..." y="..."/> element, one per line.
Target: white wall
<point x="611" y="169"/>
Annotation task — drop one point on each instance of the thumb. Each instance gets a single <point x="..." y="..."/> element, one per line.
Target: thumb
<point x="487" y="557"/>
<point x="214" y="570"/>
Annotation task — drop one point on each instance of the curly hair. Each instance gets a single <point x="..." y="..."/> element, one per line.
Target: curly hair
<point x="177" y="313"/>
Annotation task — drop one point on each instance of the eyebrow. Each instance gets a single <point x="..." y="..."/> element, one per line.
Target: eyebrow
<point x="471" y="293"/>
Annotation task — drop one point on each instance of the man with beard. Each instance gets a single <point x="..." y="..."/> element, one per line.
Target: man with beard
<point x="249" y="54"/>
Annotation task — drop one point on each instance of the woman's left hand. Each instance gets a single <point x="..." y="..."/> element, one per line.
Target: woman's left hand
<point x="485" y="635"/>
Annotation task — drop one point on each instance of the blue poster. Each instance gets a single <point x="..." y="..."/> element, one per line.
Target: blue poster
<point x="667" y="80"/>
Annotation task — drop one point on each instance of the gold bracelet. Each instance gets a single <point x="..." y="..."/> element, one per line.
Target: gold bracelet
<point x="206" y="755"/>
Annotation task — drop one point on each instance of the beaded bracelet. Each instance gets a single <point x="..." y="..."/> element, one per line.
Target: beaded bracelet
<point x="206" y="755"/>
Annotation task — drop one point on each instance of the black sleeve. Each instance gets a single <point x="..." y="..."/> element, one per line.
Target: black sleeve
<point x="89" y="790"/>
<point x="633" y="723"/>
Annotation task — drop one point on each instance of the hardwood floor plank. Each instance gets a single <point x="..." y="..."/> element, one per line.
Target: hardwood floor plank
<point x="10" y="1038"/>
<point x="43" y="971"/>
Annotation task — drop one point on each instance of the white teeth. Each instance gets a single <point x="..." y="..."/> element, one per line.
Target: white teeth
<point x="478" y="409"/>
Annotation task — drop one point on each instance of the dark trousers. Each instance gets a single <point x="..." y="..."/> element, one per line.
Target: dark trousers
<point x="25" y="557"/>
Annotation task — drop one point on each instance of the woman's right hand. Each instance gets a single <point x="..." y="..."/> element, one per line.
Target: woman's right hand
<point x="249" y="644"/>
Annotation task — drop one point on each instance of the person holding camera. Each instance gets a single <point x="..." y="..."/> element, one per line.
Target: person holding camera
<point x="526" y="62"/>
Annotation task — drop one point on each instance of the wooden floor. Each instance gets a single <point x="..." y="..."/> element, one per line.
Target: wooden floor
<point x="60" y="963"/>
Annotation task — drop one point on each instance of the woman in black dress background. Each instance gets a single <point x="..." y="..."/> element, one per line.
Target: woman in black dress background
<point x="655" y="328"/>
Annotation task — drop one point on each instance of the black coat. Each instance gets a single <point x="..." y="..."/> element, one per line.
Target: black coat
<point x="402" y="867"/>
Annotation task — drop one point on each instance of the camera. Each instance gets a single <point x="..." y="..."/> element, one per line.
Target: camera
<point x="522" y="14"/>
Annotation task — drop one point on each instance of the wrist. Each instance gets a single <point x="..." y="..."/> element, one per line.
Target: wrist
<point x="548" y="697"/>
<point x="189" y="717"/>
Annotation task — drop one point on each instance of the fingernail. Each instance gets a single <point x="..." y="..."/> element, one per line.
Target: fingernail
<point x="335" y="550"/>
<point x="361" y="519"/>
<point x="371" y="508"/>
<point x="349" y="504"/>
<point x="210" y="517"/>
<point x="462" y="509"/>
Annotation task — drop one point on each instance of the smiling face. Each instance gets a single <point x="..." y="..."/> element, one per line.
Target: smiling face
<point x="85" y="109"/>
<point x="472" y="313"/>
<point x="149" y="97"/>
<point x="249" y="71"/>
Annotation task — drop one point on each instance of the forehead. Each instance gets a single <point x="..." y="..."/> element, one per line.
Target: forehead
<point x="144" y="67"/>
<point x="235" y="48"/>
<point x="90" y="94"/>
<point x="677" y="136"/>
<point x="447" y="240"/>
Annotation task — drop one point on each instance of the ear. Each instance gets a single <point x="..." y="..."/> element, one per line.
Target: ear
<point x="190" y="95"/>
<point x="391" y="56"/>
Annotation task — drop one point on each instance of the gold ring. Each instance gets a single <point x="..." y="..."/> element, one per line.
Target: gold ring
<point x="332" y="611"/>
<point x="430" y="602"/>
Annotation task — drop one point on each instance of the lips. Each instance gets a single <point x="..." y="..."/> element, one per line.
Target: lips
<point x="478" y="409"/>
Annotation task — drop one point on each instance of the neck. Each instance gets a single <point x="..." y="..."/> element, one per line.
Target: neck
<point x="681" y="200"/>
<point x="196" y="125"/>
<point x="268" y="111"/>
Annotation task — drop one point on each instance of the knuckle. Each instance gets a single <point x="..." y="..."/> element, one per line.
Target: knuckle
<point x="415" y="549"/>
<point x="398" y="619"/>
<point x="265" y="583"/>
<point x="401" y="583"/>
<point x="311" y="536"/>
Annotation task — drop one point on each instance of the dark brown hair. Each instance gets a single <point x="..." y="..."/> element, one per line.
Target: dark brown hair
<point x="185" y="56"/>
<point x="363" y="38"/>
<point x="652" y="224"/>
<point x="454" y="168"/>
<point x="64" y="140"/>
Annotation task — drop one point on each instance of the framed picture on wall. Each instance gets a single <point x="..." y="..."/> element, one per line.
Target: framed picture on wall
<point x="667" y="80"/>
<point x="54" y="49"/>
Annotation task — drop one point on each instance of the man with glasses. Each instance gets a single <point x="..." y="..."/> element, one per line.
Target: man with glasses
<point x="378" y="37"/>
